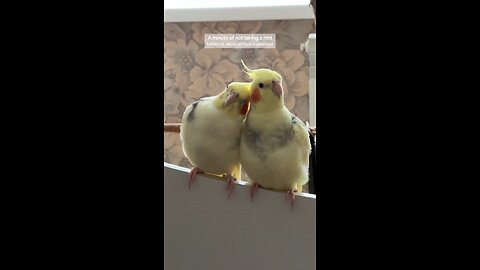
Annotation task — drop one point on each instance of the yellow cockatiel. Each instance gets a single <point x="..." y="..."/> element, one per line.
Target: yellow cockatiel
<point x="275" y="145"/>
<point x="210" y="133"/>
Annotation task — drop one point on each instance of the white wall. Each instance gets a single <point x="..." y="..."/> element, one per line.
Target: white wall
<point x="205" y="230"/>
<point x="311" y="49"/>
<point x="222" y="10"/>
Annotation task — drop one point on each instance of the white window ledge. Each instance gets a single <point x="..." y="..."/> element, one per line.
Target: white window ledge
<point x="205" y="230"/>
<point x="221" y="10"/>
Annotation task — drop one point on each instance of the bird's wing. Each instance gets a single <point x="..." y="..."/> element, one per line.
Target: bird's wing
<point x="302" y="138"/>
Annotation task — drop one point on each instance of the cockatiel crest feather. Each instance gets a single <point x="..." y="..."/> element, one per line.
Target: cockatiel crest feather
<point x="259" y="73"/>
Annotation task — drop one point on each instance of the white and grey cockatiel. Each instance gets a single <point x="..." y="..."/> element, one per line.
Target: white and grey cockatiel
<point x="275" y="145"/>
<point x="210" y="133"/>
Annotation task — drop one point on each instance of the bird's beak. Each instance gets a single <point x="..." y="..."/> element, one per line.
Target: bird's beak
<point x="277" y="89"/>
<point x="230" y="99"/>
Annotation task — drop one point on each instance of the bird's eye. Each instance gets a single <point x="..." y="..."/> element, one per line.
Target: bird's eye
<point x="273" y="81"/>
<point x="260" y="85"/>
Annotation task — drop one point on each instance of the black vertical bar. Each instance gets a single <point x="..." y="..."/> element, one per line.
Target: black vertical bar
<point x="312" y="166"/>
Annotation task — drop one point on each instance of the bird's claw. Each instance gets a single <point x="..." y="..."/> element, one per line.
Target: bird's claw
<point x="230" y="184"/>
<point x="291" y="196"/>
<point x="253" y="190"/>
<point x="193" y="174"/>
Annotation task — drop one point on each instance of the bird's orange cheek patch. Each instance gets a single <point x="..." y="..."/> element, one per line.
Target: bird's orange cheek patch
<point x="255" y="97"/>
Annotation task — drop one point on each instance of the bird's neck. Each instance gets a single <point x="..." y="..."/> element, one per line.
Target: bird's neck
<point x="267" y="104"/>
<point x="268" y="120"/>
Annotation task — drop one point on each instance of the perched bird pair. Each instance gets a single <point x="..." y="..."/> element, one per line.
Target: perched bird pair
<point x="248" y="124"/>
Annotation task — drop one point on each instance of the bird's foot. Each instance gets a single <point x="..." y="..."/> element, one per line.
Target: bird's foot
<point x="291" y="196"/>
<point x="230" y="184"/>
<point x="253" y="190"/>
<point x="191" y="177"/>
